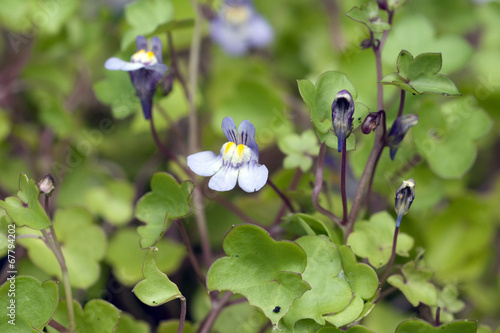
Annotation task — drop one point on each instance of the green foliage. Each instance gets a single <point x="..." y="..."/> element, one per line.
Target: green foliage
<point x="266" y="272"/>
<point x="156" y="288"/>
<point x="113" y="201"/>
<point x="420" y="75"/>
<point x="128" y="324"/>
<point x="449" y="303"/>
<point x="415" y="285"/>
<point x="415" y="325"/>
<point x="300" y="150"/>
<point x="368" y="14"/>
<point x="33" y="306"/>
<point x="373" y="239"/>
<point x="167" y="200"/>
<point x="25" y="209"/>
<point x="83" y="246"/>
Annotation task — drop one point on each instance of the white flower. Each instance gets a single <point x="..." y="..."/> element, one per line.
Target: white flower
<point x="237" y="161"/>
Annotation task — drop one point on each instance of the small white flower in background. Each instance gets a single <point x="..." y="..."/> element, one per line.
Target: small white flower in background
<point x="237" y="161"/>
<point x="238" y="28"/>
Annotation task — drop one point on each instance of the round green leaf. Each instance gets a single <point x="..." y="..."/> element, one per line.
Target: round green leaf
<point x="113" y="202"/>
<point x="26" y="209"/>
<point x="128" y="324"/>
<point x="168" y="199"/>
<point x="34" y="302"/>
<point x="156" y="288"/>
<point x="369" y="14"/>
<point x="263" y="270"/>
<point x="96" y="317"/>
<point x="373" y="239"/>
<point x="415" y="285"/>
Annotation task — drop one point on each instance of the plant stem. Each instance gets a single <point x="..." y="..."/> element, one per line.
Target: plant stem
<point x="401" y="102"/>
<point x="342" y="184"/>
<point x="214" y="312"/>
<point x="318" y="184"/>
<point x="293" y="185"/>
<point x="370" y="168"/>
<point x="158" y="142"/>
<point x="438" y="313"/>
<point x="175" y="65"/>
<point x="182" y="318"/>
<point x="393" y="255"/>
<point x="281" y="195"/>
<point x="57" y="326"/>
<point x="191" y="255"/>
<point x="55" y="246"/>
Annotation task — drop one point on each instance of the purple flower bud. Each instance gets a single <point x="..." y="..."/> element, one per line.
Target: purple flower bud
<point x="404" y="198"/>
<point x="47" y="185"/>
<point x="342" y="116"/>
<point x="382" y="4"/>
<point x="398" y="131"/>
<point x="370" y="123"/>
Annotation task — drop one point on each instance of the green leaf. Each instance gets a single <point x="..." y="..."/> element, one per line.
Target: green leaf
<point x="299" y="150"/>
<point x="445" y="135"/>
<point x="25" y="209"/>
<point x="417" y="325"/>
<point x="448" y="302"/>
<point x="329" y="293"/>
<point x="83" y="246"/>
<point x="396" y="4"/>
<point x="96" y="317"/>
<point x="316" y="225"/>
<point x="361" y="277"/>
<point x="117" y="91"/>
<point x="126" y="257"/>
<point x="128" y="324"/>
<point x="263" y="270"/>
<point x="171" y="326"/>
<point x="369" y="15"/>
<point x="307" y="91"/>
<point x="414" y="284"/>
<point x="34" y="302"/>
<point x="156" y="288"/>
<point x="145" y="16"/>
<point x="167" y="200"/>
<point x="373" y="239"/>
<point x="420" y="75"/>
<point x="113" y="201"/>
<point x="353" y="329"/>
<point x="5" y="125"/>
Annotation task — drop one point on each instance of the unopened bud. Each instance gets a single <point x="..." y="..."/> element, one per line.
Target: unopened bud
<point x="366" y="43"/>
<point x="382" y="4"/>
<point x="167" y="83"/>
<point x="370" y="123"/>
<point x="342" y="112"/>
<point x="46" y="185"/>
<point x="404" y="198"/>
<point x="398" y="131"/>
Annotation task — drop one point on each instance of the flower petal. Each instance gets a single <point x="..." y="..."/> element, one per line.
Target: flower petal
<point x="232" y="40"/>
<point x="252" y="177"/>
<point x="156" y="48"/>
<point x="205" y="163"/>
<point x="229" y="129"/>
<point x="246" y="136"/>
<point x="116" y="64"/>
<point x="160" y="68"/>
<point x="142" y="43"/>
<point x="261" y="33"/>
<point x="224" y="179"/>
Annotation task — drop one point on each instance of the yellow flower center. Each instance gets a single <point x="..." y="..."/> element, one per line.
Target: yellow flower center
<point x="235" y="154"/>
<point x="143" y="57"/>
<point x="236" y="15"/>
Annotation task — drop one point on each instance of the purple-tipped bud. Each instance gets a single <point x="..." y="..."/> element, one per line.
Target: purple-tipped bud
<point x="382" y="4"/>
<point x="342" y="116"/>
<point x="404" y="198"/>
<point x="370" y="123"/>
<point x="366" y="43"/>
<point x="47" y="185"/>
<point x="398" y="131"/>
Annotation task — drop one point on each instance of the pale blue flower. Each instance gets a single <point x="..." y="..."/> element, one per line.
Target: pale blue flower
<point x="237" y="161"/>
<point x="238" y="28"/>
<point x="342" y="113"/>
<point x="145" y="68"/>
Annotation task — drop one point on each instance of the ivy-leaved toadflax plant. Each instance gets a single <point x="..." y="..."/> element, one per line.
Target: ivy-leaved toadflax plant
<point x="398" y="131"/>
<point x="342" y="113"/>
<point x="237" y="161"/>
<point x="238" y="28"/>
<point x="145" y="68"/>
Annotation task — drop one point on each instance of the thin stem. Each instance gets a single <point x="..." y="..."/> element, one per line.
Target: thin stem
<point x="281" y="195"/>
<point x="201" y="223"/>
<point x="221" y="200"/>
<point x="401" y="102"/>
<point x="384" y="294"/>
<point x="214" y="312"/>
<point x="158" y="142"/>
<point x="319" y="183"/>
<point x="293" y="185"/>
<point x="342" y="184"/>
<point x="393" y="255"/>
<point x="438" y="313"/>
<point x="191" y="255"/>
<point x="57" y="326"/>
<point x="55" y="246"/>
<point x="370" y="168"/>
<point x="377" y="50"/>
<point x="175" y="64"/>
<point x="182" y="318"/>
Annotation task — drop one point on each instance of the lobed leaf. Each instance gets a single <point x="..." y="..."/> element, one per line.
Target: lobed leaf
<point x="415" y="285"/>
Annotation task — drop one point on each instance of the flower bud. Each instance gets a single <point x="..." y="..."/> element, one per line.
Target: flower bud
<point x="398" y="131"/>
<point x="366" y="43"/>
<point x="404" y="198"/>
<point x="46" y="185"/>
<point x="370" y="123"/>
<point x="342" y="116"/>
<point x="382" y="4"/>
